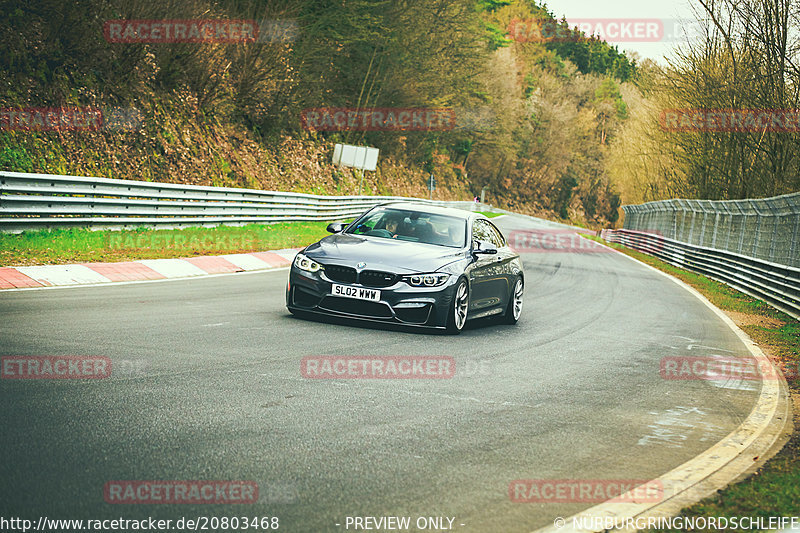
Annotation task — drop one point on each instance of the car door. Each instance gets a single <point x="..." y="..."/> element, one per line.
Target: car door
<point x="487" y="282"/>
<point x="503" y="265"/>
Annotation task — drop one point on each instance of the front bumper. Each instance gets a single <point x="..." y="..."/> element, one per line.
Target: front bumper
<point x="399" y="303"/>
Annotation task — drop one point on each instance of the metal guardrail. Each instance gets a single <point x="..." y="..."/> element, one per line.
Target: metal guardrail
<point x="778" y="285"/>
<point x="767" y="228"/>
<point x="40" y="201"/>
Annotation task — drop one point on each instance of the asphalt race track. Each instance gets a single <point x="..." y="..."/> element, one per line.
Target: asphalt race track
<point x="207" y="386"/>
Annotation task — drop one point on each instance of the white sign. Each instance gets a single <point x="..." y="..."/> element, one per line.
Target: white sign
<point x="360" y="157"/>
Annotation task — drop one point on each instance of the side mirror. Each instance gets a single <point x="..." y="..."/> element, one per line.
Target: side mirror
<point x="484" y="247"/>
<point x="335" y="227"/>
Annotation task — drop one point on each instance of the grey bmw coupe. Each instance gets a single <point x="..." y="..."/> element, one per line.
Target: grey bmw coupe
<point x="409" y="264"/>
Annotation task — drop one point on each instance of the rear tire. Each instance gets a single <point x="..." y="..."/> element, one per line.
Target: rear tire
<point x="514" y="309"/>
<point x="457" y="316"/>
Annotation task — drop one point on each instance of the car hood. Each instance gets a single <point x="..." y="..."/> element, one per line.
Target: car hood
<point x="382" y="254"/>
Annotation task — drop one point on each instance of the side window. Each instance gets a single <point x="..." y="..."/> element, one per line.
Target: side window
<point x="497" y="237"/>
<point x="481" y="231"/>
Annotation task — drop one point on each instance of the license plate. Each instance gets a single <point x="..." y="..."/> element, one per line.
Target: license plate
<point x="359" y="293"/>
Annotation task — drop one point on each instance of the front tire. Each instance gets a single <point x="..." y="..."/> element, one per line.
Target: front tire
<point x="457" y="316"/>
<point x="514" y="309"/>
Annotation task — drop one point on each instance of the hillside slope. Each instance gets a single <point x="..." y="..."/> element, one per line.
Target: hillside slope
<point x="533" y="117"/>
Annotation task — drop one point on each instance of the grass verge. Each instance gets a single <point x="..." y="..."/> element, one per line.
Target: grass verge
<point x="774" y="489"/>
<point x="63" y="246"/>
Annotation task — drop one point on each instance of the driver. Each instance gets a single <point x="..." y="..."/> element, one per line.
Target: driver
<point x="391" y="223"/>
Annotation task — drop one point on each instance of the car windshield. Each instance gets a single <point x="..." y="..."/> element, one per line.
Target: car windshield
<point x="415" y="226"/>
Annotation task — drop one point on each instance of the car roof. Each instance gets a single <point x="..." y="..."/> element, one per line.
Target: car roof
<point x="432" y="209"/>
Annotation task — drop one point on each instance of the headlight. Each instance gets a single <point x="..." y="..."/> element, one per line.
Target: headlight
<point x="304" y="263"/>
<point x="427" y="280"/>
